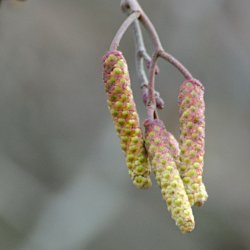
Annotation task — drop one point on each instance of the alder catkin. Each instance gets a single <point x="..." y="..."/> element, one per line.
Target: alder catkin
<point x="192" y="128"/>
<point x="167" y="174"/>
<point x="126" y="120"/>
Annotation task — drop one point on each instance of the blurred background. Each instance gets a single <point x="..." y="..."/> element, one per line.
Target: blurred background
<point x="63" y="180"/>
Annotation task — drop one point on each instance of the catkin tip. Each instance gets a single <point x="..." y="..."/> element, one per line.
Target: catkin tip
<point x="167" y="174"/>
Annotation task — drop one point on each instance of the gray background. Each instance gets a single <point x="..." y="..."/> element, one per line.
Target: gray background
<point x="63" y="180"/>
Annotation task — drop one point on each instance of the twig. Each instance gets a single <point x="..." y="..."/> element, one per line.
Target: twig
<point x="184" y="71"/>
<point x="151" y="104"/>
<point x="140" y="46"/>
<point x="158" y="51"/>
<point x="123" y="28"/>
<point x="141" y="56"/>
<point x="133" y="5"/>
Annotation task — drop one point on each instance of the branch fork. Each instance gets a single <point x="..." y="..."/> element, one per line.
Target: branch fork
<point x="137" y="16"/>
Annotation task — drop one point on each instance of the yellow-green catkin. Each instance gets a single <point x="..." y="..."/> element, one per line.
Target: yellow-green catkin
<point x="167" y="174"/>
<point x="125" y="117"/>
<point x="192" y="128"/>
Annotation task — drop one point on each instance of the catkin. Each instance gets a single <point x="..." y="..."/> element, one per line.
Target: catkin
<point x="192" y="128"/>
<point x="126" y="120"/>
<point x="167" y="175"/>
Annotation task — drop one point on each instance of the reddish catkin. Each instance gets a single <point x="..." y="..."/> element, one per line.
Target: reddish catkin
<point x="167" y="174"/>
<point x="123" y="110"/>
<point x="192" y="128"/>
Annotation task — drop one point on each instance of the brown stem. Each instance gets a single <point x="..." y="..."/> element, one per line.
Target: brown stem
<point x="151" y="30"/>
<point x="184" y="71"/>
<point x="123" y="28"/>
<point x="133" y="6"/>
<point x="151" y="105"/>
<point x="141" y="56"/>
<point x="140" y="52"/>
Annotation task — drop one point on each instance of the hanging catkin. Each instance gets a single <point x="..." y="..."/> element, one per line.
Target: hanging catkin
<point x="192" y="128"/>
<point x="123" y="110"/>
<point x="167" y="175"/>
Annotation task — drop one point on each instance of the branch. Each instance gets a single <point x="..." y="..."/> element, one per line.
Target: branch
<point x="123" y="28"/>
<point x="132" y="6"/>
<point x="151" y="104"/>
<point x="177" y="64"/>
<point x="141" y="56"/>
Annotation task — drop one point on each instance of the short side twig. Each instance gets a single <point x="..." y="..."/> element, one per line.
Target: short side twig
<point x="151" y="104"/>
<point x="141" y="56"/>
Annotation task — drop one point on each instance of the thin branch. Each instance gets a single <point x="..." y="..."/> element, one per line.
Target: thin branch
<point x="151" y="104"/>
<point x="133" y="5"/>
<point x="151" y="84"/>
<point x="140" y="46"/>
<point x="168" y="57"/>
<point x="123" y="28"/>
<point x="140" y="52"/>
<point x="141" y="56"/>
<point x="130" y="5"/>
<point x="152" y="31"/>
<point x="147" y="60"/>
<point x="158" y="51"/>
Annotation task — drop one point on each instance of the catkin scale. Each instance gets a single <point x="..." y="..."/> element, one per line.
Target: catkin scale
<point x="192" y="128"/>
<point x="167" y="175"/>
<point x="126" y="120"/>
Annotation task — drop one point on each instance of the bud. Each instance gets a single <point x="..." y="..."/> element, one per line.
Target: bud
<point x="126" y="120"/>
<point x="192" y="127"/>
<point x="159" y="101"/>
<point x="167" y="175"/>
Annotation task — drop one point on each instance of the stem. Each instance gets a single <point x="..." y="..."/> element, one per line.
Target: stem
<point x="123" y="28"/>
<point x="140" y="47"/>
<point x="151" y="105"/>
<point x="133" y="5"/>
<point x="140" y="55"/>
<point x="151" y="30"/>
<point x="184" y="71"/>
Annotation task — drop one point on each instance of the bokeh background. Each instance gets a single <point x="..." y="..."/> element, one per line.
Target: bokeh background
<point x="63" y="180"/>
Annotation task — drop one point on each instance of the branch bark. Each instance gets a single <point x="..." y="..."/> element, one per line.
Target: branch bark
<point x="123" y="28"/>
